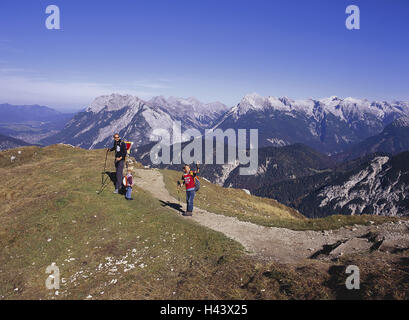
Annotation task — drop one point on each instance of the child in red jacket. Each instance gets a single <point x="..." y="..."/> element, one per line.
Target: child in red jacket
<point x="189" y="180"/>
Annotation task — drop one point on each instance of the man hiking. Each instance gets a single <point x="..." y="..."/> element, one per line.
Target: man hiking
<point x="120" y="155"/>
<point x="189" y="180"/>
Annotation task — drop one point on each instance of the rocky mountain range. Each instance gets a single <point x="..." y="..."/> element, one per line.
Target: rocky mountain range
<point x="135" y="119"/>
<point x="380" y="187"/>
<point x="330" y="125"/>
<point x="392" y="140"/>
<point x="375" y="184"/>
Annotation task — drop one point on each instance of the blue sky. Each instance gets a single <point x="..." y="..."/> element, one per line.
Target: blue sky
<point x="210" y="49"/>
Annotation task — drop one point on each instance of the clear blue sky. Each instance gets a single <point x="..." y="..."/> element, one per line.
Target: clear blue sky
<point x="210" y="49"/>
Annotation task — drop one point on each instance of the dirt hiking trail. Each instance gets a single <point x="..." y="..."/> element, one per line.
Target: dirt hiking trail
<point x="284" y="245"/>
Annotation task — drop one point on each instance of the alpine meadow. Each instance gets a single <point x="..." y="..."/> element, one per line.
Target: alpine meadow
<point x="204" y="158"/>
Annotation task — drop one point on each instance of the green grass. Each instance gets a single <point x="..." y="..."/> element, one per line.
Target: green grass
<point x="266" y="212"/>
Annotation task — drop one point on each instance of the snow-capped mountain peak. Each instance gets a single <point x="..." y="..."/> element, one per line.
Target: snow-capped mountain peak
<point x="190" y="104"/>
<point x="341" y="108"/>
<point x="286" y="101"/>
<point x="136" y="119"/>
<point x="114" y="102"/>
<point x="256" y="102"/>
<point x="329" y="124"/>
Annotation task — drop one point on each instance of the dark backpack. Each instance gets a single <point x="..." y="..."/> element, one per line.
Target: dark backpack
<point x="197" y="184"/>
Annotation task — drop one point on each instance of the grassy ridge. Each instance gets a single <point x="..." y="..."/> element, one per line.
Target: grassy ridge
<point x="56" y="216"/>
<point x="262" y="211"/>
<point x="109" y="248"/>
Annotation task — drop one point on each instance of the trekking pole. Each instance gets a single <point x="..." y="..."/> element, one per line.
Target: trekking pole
<point x="103" y="181"/>
<point x="105" y="166"/>
<point x="179" y="192"/>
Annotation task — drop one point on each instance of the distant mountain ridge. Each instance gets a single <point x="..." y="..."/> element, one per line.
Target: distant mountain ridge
<point x="10" y="143"/>
<point x="31" y="123"/>
<point x="392" y="140"/>
<point x="28" y="113"/>
<point x="135" y="119"/>
<point x="330" y="125"/>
